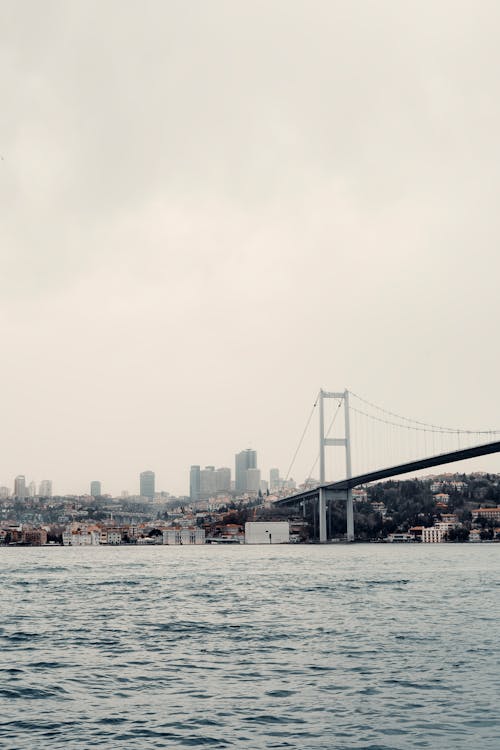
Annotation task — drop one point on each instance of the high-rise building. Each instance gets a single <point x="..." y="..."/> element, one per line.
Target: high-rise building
<point x="208" y="482"/>
<point x="95" y="488"/>
<point x="194" y="483"/>
<point x="147" y="484"/>
<point x="31" y="489"/>
<point x="20" y="487"/>
<point x="253" y="480"/>
<point x="244" y="460"/>
<point x="223" y="479"/>
<point x="45" y="489"/>
<point x="274" y="479"/>
<point x="4" y="493"/>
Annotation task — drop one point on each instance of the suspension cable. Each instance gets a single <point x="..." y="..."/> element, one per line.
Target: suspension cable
<point x="425" y="426"/>
<point x="300" y="443"/>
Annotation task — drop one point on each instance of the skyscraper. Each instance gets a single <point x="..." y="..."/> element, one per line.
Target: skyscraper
<point x="274" y="479"/>
<point x="244" y="460"/>
<point x="208" y="482"/>
<point x="194" y="483"/>
<point x="223" y="479"/>
<point x="147" y="482"/>
<point x="95" y="489"/>
<point x="45" y="489"/>
<point x="253" y="480"/>
<point x="20" y="487"/>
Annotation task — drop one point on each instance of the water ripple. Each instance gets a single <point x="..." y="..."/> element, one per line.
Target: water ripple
<point x="361" y="648"/>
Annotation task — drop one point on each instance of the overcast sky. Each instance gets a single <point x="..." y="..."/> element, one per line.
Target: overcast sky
<point x="211" y="209"/>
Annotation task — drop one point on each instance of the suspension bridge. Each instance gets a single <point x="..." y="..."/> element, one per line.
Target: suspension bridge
<point x="418" y="445"/>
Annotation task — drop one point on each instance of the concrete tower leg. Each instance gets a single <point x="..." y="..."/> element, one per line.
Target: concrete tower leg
<point x="350" y="517"/>
<point x="322" y="515"/>
<point x="348" y="466"/>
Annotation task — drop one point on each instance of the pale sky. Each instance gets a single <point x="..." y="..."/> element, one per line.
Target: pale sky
<point x="211" y="209"/>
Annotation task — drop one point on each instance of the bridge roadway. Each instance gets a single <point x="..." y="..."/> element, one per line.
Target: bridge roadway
<point x="341" y="489"/>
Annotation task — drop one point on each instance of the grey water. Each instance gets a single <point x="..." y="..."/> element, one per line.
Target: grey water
<point x="362" y="646"/>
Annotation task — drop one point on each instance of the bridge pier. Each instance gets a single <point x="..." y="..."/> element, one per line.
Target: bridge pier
<point x="350" y="517"/>
<point x="322" y="515"/>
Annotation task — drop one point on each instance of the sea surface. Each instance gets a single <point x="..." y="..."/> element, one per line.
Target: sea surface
<point x="361" y="646"/>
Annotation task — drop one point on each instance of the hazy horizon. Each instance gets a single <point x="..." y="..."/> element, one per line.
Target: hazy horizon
<point x="211" y="210"/>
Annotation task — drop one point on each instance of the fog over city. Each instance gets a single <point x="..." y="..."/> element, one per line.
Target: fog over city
<point x="209" y="210"/>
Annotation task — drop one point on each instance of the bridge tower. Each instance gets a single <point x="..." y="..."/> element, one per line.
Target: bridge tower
<point x="345" y="442"/>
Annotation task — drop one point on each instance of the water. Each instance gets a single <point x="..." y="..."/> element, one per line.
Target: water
<point x="366" y="646"/>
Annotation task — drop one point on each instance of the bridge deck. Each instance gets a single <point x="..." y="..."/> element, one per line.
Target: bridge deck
<point x="394" y="471"/>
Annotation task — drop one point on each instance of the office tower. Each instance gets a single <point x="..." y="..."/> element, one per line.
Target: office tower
<point x="45" y="489"/>
<point x="147" y="484"/>
<point x="223" y="479"/>
<point x="31" y="489"/>
<point x="253" y="480"/>
<point x="95" y="489"/>
<point x="244" y="460"/>
<point x="4" y="493"/>
<point x="208" y="482"/>
<point x="274" y="479"/>
<point x="194" y="483"/>
<point x="20" y="487"/>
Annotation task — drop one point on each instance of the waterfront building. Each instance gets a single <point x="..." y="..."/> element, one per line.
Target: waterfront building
<point x="194" y="483"/>
<point x="244" y="461"/>
<point x="20" y="487"/>
<point x="267" y="532"/>
<point x="95" y="489"/>
<point x="400" y="536"/>
<point x="81" y="537"/>
<point x="186" y="535"/>
<point x="34" y="537"/>
<point x="45" y="489"/>
<point x="436" y="534"/>
<point x="147" y="484"/>
<point x="110" y="536"/>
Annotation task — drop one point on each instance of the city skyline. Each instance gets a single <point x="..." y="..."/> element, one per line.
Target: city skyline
<point x="195" y="295"/>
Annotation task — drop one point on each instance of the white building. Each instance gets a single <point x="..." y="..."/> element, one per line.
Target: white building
<point x="267" y="532"/>
<point x="435" y="534"/>
<point x="442" y="497"/>
<point x="400" y="537"/>
<point x="189" y="535"/>
<point x="81" y="537"/>
<point x="110" y="536"/>
<point x="360" y="495"/>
